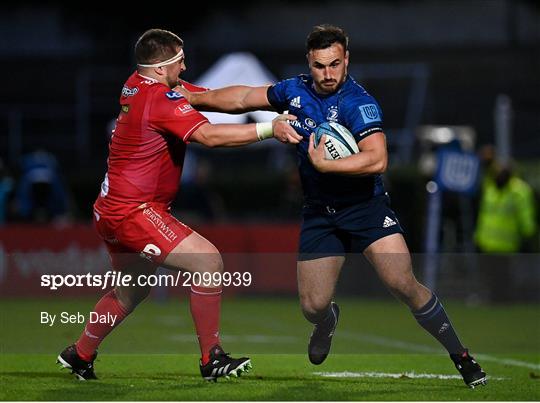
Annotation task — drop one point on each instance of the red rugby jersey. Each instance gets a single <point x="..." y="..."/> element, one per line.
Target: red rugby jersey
<point x="147" y="148"/>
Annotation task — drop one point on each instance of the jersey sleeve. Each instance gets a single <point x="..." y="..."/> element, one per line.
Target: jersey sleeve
<point x="171" y="113"/>
<point x="277" y="96"/>
<point x="363" y="116"/>
<point x="194" y="88"/>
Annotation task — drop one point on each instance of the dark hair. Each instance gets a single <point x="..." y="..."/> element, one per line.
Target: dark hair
<point x="156" y="45"/>
<point x="323" y="36"/>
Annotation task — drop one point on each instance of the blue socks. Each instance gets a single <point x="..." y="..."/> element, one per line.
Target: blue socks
<point x="433" y="318"/>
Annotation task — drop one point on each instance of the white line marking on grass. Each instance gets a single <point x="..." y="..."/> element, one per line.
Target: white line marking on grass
<point x="403" y="345"/>
<point x="508" y="361"/>
<point x="405" y="375"/>
<point x="246" y="338"/>
<point x="386" y="342"/>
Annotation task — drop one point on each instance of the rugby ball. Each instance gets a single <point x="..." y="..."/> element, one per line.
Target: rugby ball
<point x="339" y="142"/>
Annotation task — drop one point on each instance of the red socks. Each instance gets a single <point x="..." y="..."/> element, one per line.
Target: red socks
<point x="205" y="306"/>
<point x="107" y="314"/>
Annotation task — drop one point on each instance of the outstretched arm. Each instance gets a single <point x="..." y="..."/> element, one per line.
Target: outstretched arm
<point x="239" y="99"/>
<point x="234" y="99"/>
<point x="228" y="135"/>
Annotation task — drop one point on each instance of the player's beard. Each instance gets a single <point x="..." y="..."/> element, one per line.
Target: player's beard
<point x="328" y="85"/>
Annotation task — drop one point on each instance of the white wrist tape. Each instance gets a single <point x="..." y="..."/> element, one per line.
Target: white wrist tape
<point x="264" y="130"/>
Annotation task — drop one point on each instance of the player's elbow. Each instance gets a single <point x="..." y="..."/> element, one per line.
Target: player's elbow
<point x="212" y="141"/>
<point x="381" y="166"/>
<point x="207" y="136"/>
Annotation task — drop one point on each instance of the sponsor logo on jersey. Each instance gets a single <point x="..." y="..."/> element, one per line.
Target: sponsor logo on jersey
<point x="295" y="102"/>
<point x="332" y="115"/>
<point x="129" y="92"/>
<point x="300" y="125"/>
<point x="310" y="123"/>
<point x="153" y="217"/>
<point x="371" y="130"/>
<point x="183" y="109"/>
<point x="149" y="251"/>
<point x="370" y="113"/>
<point x="173" y="95"/>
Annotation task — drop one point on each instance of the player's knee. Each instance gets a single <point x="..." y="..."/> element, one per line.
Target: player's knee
<point x="212" y="261"/>
<point x="215" y="264"/>
<point x="313" y="304"/>
<point x="130" y="297"/>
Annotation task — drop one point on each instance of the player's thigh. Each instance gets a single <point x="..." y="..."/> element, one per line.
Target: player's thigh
<point x="317" y="280"/>
<point x="195" y="254"/>
<point x="151" y="233"/>
<point x="130" y="264"/>
<point x="391" y="259"/>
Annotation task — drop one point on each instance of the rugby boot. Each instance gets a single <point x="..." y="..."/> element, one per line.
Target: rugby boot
<point x="83" y="370"/>
<point x="321" y="338"/>
<point x="469" y="369"/>
<point x="221" y="364"/>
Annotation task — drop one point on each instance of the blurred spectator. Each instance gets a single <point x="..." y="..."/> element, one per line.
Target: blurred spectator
<point x="198" y="202"/>
<point x="506" y="225"/>
<point x="507" y="217"/>
<point x="6" y="186"/>
<point x="40" y="195"/>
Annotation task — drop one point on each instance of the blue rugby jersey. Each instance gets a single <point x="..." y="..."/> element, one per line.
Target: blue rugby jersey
<point x="352" y="107"/>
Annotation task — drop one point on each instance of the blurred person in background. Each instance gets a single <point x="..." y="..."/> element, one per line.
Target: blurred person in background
<point x="6" y="188"/>
<point x="197" y="201"/>
<point x="132" y="211"/>
<point x="506" y="222"/>
<point x="41" y="195"/>
<point x="346" y="209"/>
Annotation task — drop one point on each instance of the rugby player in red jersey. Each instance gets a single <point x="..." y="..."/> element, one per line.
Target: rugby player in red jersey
<point x="132" y="211"/>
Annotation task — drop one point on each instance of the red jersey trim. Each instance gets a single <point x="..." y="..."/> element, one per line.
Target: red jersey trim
<point x="190" y="132"/>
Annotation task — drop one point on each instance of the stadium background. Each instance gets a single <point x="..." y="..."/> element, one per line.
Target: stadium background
<point x="441" y="63"/>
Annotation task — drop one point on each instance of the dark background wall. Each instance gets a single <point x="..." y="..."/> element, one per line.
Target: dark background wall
<point x="63" y="68"/>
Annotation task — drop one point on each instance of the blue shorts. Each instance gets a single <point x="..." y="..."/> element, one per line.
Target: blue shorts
<point x="331" y="231"/>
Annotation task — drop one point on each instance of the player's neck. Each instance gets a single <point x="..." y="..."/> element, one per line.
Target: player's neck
<point x="152" y="76"/>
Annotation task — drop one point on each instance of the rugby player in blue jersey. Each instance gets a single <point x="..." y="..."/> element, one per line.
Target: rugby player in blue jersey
<point x="346" y="209"/>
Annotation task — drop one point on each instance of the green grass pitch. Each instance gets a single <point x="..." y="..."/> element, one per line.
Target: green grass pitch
<point x="379" y="353"/>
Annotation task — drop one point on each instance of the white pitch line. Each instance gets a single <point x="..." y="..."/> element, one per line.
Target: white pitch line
<point x="363" y="337"/>
<point x="347" y="374"/>
<point x="508" y="361"/>
<point x="246" y="338"/>
<point x="403" y="345"/>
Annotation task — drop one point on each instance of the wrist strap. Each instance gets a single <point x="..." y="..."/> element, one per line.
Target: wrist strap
<point x="264" y="130"/>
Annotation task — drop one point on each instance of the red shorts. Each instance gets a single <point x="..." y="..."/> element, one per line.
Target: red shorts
<point x="149" y="232"/>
